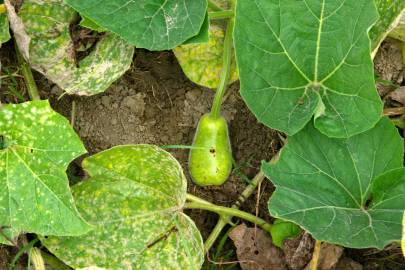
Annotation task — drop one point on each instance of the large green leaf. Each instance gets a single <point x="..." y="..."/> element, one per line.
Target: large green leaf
<point x="150" y="24"/>
<point x="51" y="50"/>
<point x="389" y="11"/>
<point x="299" y="59"/>
<point x="36" y="146"/>
<point x="343" y="191"/>
<point x="134" y="198"/>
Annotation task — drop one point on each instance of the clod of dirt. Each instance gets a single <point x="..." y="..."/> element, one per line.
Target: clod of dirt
<point x="388" y="62"/>
<point x="255" y="249"/>
<point x="298" y="251"/>
<point x="348" y="264"/>
<point x="328" y="257"/>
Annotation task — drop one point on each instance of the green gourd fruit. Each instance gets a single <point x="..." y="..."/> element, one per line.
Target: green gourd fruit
<point x="210" y="160"/>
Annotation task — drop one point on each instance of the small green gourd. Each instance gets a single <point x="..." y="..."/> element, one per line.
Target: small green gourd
<point x="210" y="160"/>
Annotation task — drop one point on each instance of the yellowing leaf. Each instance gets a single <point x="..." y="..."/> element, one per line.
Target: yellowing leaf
<point x="36" y="146"/>
<point x="134" y="199"/>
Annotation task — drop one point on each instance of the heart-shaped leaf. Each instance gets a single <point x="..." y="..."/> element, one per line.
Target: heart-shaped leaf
<point x="343" y="191"/>
<point x="52" y="50"/>
<point x="389" y="11"/>
<point x="299" y="59"/>
<point x="36" y="146"/>
<point x="150" y="24"/>
<point x="134" y="198"/>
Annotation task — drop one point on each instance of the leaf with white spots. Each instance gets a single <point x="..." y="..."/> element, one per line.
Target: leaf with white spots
<point x="348" y="192"/>
<point x="36" y="146"/>
<point x="134" y="199"/>
<point x="151" y="24"/>
<point x="308" y="60"/>
<point x="51" y="50"/>
<point x="390" y="12"/>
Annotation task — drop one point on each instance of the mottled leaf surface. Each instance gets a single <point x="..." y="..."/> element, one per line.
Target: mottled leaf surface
<point x="4" y="29"/>
<point x="151" y="24"/>
<point x="51" y="50"/>
<point x="202" y="63"/>
<point x="36" y="146"/>
<point x="134" y="198"/>
<point x="389" y="11"/>
<point x="399" y="31"/>
<point x="343" y="191"/>
<point x="303" y="59"/>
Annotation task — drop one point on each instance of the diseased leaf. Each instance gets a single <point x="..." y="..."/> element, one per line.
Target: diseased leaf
<point x="154" y="24"/>
<point x="52" y="50"/>
<point x="389" y="11"/>
<point x="304" y="59"/>
<point x="36" y="146"/>
<point x="343" y="191"/>
<point x="134" y="198"/>
<point x="202" y="63"/>
<point x="399" y="31"/>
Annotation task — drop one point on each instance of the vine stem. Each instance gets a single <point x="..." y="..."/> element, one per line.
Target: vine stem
<point x="226" y="211"/>
<point x="28" y="77"/>
<point x="214" y="6"/>
<point x="315" y="256"/>
<point x="224" y="14"/>
<point x="225" y="219"/>
<point x="226" y="67"/>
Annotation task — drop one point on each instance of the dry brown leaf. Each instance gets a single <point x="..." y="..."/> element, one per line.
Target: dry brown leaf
<point x="255" y="249"/>
<point x="298" y="251"/>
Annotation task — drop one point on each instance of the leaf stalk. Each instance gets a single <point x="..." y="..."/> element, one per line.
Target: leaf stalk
<point x="28" y="77"/>
<point x="225" y="74"/>
<point x="226" y="211"/>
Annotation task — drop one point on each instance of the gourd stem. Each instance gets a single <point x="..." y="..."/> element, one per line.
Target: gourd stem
<point x="2" y="8"/>
<point x="315" y="256"/>
<point x="226" y="66"/>
<point x="28" y="77"/>
<point x="214" y="6"/>
<point x="196" y="199"/>
<point x="224" y="220"/>
<point x="226" y="211"/>
<point x="217" y="15"/>
<point x="36" y="259"/>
